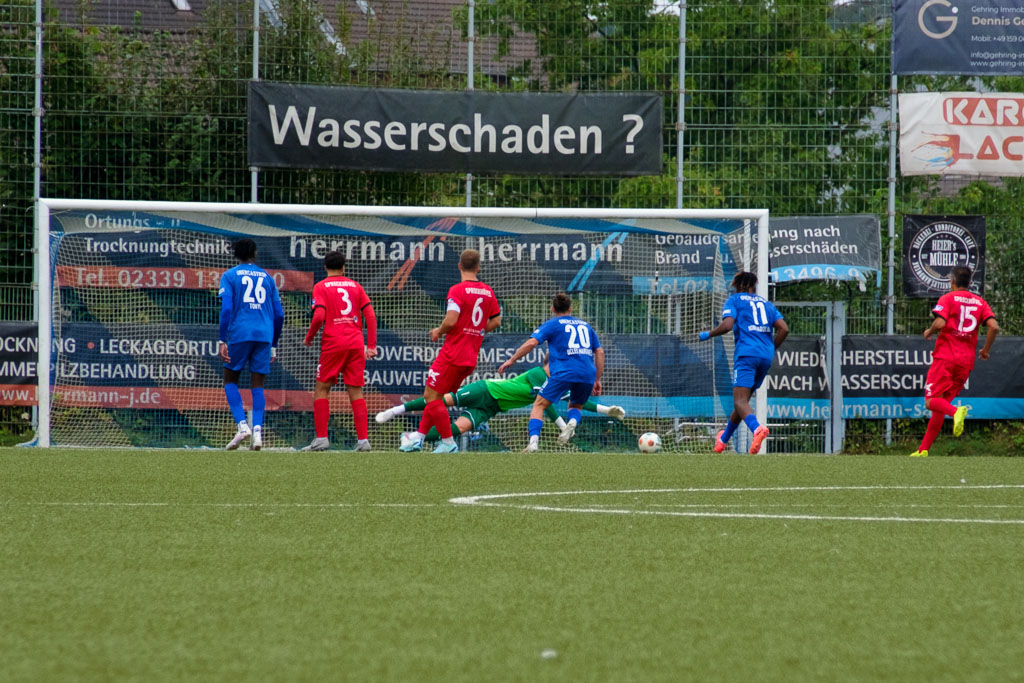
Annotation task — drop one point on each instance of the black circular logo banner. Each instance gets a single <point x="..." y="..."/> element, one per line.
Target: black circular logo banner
<point x="934" y="245"/>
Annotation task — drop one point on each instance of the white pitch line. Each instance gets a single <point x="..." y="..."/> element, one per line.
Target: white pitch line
<point x="12" y="503"/>
<point x="485" y="500"/>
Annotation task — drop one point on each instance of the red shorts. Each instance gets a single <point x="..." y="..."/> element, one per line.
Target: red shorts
<point x="945" y="380"/>
<point x="444" y="378"/>
<point x="349" y="363"/>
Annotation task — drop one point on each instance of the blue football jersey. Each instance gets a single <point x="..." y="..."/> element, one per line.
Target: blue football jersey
<point x="754" y="327"/>
<point x="250" y="305"/>
<point x="571" y="343"/>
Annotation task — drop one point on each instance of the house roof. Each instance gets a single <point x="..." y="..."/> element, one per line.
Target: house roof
<point x="427" y="31"/>
<point x="147" y="15"/>
<point x="420" y="33"/>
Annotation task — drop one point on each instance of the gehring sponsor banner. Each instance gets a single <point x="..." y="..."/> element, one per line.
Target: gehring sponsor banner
<point x="962" y="133"/>
<point x="958" y="37"/>
<point x="304" y="126"/>
<point x="825" y="248"/>
<point x="934" y="245"/>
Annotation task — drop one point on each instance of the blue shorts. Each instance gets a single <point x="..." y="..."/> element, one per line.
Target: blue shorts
<point x="256" y="354"/>
<point x="749" y="371"/>
<point x="554" y="389"/>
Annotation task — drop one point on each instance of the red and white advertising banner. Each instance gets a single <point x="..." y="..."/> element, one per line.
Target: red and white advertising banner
<point x="962" y="133"/>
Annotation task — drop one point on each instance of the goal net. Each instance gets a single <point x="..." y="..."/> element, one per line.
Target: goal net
<point x="130" y="332"/>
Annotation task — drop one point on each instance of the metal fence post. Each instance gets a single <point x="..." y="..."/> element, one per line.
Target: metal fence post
<point x="254" y="179"/>
<point x="470" y="44"/>
<point x="837" y="330"/>
<point x="891" y="215"/>
<point x="680" y="104"/>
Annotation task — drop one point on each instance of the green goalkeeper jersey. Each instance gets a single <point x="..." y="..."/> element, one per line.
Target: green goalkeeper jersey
<point x="518" y="391"/>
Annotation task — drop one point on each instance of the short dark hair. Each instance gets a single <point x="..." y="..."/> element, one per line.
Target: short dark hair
<point x="334" y="260"/>
<point x="561" y="303"/>
<point x="744" y="281"/>
<point x="244" y="249"/>
<point x="469" y="259"/>
<point x="961" y="276"/>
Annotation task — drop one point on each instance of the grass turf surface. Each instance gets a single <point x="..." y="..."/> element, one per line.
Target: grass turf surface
<point x="292" y="566"/>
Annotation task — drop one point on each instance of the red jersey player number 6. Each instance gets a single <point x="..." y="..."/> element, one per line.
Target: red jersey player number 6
<point x="472" y="310"/>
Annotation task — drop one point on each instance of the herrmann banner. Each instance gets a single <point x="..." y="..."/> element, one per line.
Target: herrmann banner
<point x="981" y="37"/>
<point x="19" y="348"/>
<point x="304" y="126"/>
<point x="165" y="366"/>
<point x="825" y="248"/>
<point x="934" y="245"/>
<point x="962" y="133"/>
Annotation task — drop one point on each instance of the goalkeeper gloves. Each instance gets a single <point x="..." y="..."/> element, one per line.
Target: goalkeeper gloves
<point x="704" y="336"/>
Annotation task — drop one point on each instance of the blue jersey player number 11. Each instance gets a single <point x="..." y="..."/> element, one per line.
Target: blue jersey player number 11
<point x="758" y="329"/>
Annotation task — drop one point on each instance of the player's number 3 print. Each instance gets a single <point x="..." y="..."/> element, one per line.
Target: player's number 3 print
<point x="346" y="302"/>
<point x="251" y="289"/>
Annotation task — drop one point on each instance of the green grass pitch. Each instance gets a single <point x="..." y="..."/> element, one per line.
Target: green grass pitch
<point x="273" y="566"/>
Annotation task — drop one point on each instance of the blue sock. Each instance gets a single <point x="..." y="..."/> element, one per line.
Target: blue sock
<point x="751" y="422"/>
<point x="535" y="426"/>
<point x="235" y="402"/>
<point x="574" y="414"/>
<point x="259" y="404"/>
<point x="730" y="427"/>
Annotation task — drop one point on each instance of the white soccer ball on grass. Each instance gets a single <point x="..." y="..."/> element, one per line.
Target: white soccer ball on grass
<point x="649" y="443"/>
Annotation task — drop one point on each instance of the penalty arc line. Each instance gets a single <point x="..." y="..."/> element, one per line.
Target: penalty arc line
<point x="486" y="501"/>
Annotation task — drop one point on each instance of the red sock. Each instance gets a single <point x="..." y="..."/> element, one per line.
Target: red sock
<point x="934" y="427"/>
<point x="941" y="405"/>
<point x="425" y="420"/>
<point x="321" y="416"/>
<point x="360" y="418"/>
<point x="439" y="417"/>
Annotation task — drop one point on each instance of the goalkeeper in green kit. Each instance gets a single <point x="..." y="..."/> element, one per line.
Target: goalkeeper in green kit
<point x="482" y="400"/>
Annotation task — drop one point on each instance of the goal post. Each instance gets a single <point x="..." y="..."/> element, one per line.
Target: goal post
<point x="128" y="309"/>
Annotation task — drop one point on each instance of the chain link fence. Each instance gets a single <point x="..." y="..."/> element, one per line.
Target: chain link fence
<point x="780" y="104"/>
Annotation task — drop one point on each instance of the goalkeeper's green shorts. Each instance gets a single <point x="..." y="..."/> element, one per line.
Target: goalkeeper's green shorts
<point x="476" y="402"/>
<point x="478" y="416"/>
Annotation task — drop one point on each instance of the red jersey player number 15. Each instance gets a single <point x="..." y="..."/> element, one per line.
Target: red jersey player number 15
<point x="964" y="313"/>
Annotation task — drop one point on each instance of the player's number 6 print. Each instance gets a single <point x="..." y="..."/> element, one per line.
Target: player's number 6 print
<point x="478" y="313"/>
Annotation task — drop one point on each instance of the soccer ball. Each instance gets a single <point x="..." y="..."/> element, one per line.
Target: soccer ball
<point x="405" y="439"/>
<point x="649" y="443"/>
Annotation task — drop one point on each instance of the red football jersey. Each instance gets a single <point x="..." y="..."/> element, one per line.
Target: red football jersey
<point x="343" y="299"/>
<point x="964" y="312"/>
<point x="476" y="304"/>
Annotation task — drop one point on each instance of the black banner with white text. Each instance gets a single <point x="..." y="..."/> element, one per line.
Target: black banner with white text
<point x="304" y="126"/>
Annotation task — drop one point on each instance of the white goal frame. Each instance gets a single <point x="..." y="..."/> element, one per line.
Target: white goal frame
<point x="43" y="279"/>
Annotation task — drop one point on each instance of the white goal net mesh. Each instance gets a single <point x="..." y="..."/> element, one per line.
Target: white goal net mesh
<point x="135" y="320"/>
